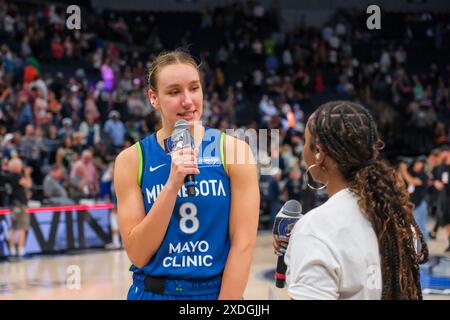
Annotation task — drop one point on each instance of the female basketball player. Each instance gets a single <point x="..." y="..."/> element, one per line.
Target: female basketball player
<point x="361" y="243"/>
<point x="186" y="247"/>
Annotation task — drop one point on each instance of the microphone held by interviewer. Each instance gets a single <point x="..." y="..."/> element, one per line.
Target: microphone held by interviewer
<point x="285" y="221"/>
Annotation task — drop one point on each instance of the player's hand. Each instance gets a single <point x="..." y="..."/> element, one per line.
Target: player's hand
<point x="184" y="162"/>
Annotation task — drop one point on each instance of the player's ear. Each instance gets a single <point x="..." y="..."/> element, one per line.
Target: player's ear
<point x="153" y="99"/>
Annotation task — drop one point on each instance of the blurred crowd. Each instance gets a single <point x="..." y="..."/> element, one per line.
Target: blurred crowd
<point x="70" y="100"/>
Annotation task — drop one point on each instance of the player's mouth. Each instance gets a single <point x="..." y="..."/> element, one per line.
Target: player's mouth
<point x="188" y="115"/>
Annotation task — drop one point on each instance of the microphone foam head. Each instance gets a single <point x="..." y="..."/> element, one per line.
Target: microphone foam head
<point x="181" y="125"/>
<point x="292" y="208"/>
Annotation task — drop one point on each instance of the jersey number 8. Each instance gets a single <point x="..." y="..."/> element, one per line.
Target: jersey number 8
<point x="188" y="212"/>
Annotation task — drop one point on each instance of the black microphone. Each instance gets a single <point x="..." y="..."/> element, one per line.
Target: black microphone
<point x="182" y="138"/>
<point x="285" y="220"/>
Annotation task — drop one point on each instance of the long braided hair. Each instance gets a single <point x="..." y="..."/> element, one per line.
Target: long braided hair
<point x="347" y="133"/>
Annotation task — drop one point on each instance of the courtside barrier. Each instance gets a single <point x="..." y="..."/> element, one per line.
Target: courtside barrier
<point x="55" y="229"/>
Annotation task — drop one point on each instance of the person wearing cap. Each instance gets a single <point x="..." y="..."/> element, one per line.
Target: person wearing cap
<point x="66" y="130"/>
<point x="115" y="130"/>
<point x="417" y="182"/>
<point x="9" y="149"/>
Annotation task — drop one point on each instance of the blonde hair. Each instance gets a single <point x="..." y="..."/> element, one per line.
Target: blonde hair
<point x="168" y="58"/>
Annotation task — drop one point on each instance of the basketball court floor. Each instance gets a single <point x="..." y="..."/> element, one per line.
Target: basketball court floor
<point x="104" y="274"/>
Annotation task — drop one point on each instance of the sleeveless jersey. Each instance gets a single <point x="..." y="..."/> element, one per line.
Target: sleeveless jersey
<point x="196" y="243"/>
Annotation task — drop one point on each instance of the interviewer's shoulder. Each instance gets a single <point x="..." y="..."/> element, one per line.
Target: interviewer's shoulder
<point x="315" y="221"/>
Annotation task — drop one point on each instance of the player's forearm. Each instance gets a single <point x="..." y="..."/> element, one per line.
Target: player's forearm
<point x="237" y="269"/>
<point x="145" y="238"/>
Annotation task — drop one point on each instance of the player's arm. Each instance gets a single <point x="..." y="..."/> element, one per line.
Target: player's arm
<point x="142" y="234"/>
<point x="244" y="216"/>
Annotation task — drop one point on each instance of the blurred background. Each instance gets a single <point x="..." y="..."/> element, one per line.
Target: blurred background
<point x="71" y="100"/>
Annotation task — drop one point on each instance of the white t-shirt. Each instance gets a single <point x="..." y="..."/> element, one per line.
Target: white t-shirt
<point x="333" y="253"/>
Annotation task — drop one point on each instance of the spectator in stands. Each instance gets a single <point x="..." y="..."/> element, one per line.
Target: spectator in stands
<point x="18" y="181"/>
<point x="51" y="143"/>
<point x="270" y="192"/>
<point x="90" y="131"/>
<point x="47" y="122"/>
<point x="115" y="130"/>
<point x="443" y="184"/>
<point x="26" y="113"/>
<point x="287" y="158"/>
<point x="9" y="148"/>
<point x="417" y="182"/>
<point x="66" y="155"/>
<point x="30" y="151"/>
<point x="54" y="190"/>
<point x="107" y="179"/>
<point x="294" y="186"/>
<point x="435" y="190"/>
<point x="77" y="142"/>
<point x="267" y="108"/>
<point x="89" y="172"/>
<point x="66" y="130"/>
<point x="79" y="187"/>
<point x="136" y="103"/>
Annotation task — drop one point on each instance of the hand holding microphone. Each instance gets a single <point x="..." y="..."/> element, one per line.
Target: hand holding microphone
<point x="280" y="244"/>
<point x="184" y="166"/>
<point x="285" y="220"/>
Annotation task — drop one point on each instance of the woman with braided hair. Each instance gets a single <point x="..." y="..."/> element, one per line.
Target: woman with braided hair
<point x="361" y="243"/>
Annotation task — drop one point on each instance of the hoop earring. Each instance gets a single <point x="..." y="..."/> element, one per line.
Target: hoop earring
<point x="307" y="177"/>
